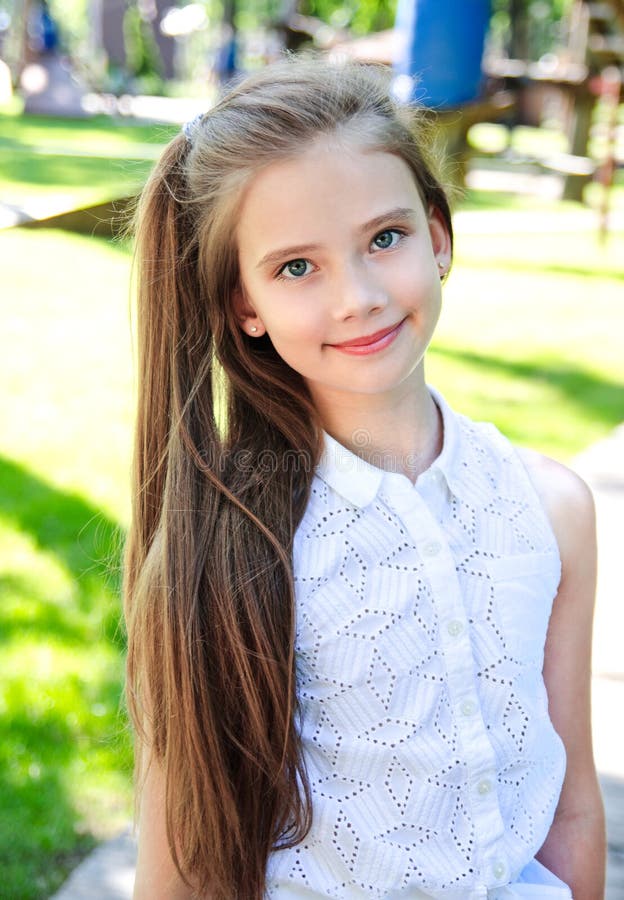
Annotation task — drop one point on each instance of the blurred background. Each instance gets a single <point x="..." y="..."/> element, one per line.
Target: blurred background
<point x="528" y="101"/>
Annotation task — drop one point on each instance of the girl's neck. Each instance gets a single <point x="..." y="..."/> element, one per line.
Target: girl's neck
<point x="403" y="433"/>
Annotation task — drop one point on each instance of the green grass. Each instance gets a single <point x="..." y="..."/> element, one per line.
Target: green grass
<point x="99" y="134"/>
<point x="530" y="337"/>
<point x="65" y="752"/>
<point x="75" y="162"/>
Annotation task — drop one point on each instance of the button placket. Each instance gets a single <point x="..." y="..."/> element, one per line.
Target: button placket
<point x="432" y="548"/>
<point x="431" y="486"/>
<point x="498" y="869"/>
<point x="455" y="628"/>
<point x="484" y="787"/>
<point x="468" y="708"/>
<point x="440" y="569"/>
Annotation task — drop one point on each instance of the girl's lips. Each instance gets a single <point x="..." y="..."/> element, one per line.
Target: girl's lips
<point x="371" y="343"/>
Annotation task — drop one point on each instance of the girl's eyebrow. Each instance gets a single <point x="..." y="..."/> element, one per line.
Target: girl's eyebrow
<point x="402" y="213"/>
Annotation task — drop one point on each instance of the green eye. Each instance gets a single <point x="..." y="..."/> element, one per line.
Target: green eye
<point x="295" y="268"/>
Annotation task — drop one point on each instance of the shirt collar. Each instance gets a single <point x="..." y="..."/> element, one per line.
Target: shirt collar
<point x="450" y="458"/>
<point x="348" y="474"/>
<point x="359" y="482"/>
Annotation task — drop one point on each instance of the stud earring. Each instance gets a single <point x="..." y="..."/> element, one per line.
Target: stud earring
<point x="440" y="264"/>
<point x="253" y="329"/>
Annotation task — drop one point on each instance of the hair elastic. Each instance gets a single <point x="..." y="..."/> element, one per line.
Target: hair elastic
<point x="189" y="129"/>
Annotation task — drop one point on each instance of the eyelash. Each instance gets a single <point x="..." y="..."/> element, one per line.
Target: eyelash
<point x="280" y="276"/>
<point x="280" y="272"/>
<point x="399" y="231"/>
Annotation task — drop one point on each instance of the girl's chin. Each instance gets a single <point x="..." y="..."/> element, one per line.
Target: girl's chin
<point x="366" y="387"/>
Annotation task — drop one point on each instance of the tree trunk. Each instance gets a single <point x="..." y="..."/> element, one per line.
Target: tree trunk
<point x="519" y="41"/>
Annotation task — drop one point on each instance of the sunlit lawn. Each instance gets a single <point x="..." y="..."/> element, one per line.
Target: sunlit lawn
<point x="531" y="333"/>
<point x="65" y="409"/>
<point x="530" y="337"/>
<point x="74" y="162"/>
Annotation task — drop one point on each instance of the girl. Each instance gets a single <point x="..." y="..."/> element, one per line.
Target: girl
<point x="359" y="624"/>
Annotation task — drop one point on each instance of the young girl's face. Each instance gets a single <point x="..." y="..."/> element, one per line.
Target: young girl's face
<point x="339" y="265"/>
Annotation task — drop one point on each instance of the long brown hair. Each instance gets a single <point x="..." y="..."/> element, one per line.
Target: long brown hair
<point x="226" y="443"/>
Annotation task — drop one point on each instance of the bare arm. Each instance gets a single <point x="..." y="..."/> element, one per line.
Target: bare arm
<point x="156" y="877"/>
<point x="575" y="848"/>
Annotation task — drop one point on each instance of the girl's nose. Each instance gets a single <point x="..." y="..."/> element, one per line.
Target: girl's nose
<point x="358" y="293"/>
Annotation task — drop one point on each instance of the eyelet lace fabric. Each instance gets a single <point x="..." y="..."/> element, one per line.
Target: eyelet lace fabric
<point x="422" y="613"/>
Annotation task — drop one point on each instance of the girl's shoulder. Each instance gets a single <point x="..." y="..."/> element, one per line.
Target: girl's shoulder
<point x="568" y="503"/>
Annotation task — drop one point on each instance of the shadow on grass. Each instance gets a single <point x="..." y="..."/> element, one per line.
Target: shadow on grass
<point x="39" y="843"/>
<point x="597" y="397"/>
<point x="69" y="171"/>
<point x="82" y="538"/>
<point x="47" y="744"/>
<point x="65" y="751"/>
<point x="50" y="617"/>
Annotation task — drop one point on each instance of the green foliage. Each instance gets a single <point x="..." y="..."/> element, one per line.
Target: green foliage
<point x="72" y="17"/>
<point x="362" y="17"/>
<point x="142" y="56"/>
<point x="527" y="28"/>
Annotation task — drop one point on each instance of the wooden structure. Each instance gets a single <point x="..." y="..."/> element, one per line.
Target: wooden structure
<point x="598" y="30"/>
<point x="519" y="89"/>
<point x="595" y="43"/>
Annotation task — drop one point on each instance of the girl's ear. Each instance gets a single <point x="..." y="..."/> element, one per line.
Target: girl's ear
<point x="248" y="321"/>
<point x="440" y="239"/>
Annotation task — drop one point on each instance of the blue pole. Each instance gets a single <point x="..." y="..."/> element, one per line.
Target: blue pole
<point x="442" y="49"/>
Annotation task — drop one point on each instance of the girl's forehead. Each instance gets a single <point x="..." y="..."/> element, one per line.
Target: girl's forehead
<point x="326" y="150"/>
<point x="333" y="175"/>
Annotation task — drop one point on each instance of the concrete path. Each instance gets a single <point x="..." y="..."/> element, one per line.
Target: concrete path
<point x="108" y="873"/>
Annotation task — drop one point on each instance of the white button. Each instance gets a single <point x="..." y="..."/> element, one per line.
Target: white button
<point x="436" y="475"/>
<point x="484" y="787"/>
<point x="432" y="548"/>
<point x="455" y="628"/>
<point x="468" y="708"/>
<point x="498" y="869"/>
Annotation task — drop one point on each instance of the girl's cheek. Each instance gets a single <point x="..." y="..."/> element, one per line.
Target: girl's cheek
<point x="298" y="319"/>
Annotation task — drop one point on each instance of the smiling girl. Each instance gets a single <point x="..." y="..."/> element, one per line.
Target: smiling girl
<point x="359" y="623"/>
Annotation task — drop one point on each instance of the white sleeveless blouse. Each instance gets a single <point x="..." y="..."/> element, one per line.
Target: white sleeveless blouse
<point x="422" y="613"/>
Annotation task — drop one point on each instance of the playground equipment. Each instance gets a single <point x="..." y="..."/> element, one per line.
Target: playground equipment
<point x="441" y="49"/>
<point x="584" y="70"/>
<point x="439" y="64"/>
<point x="440" y="43"/>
